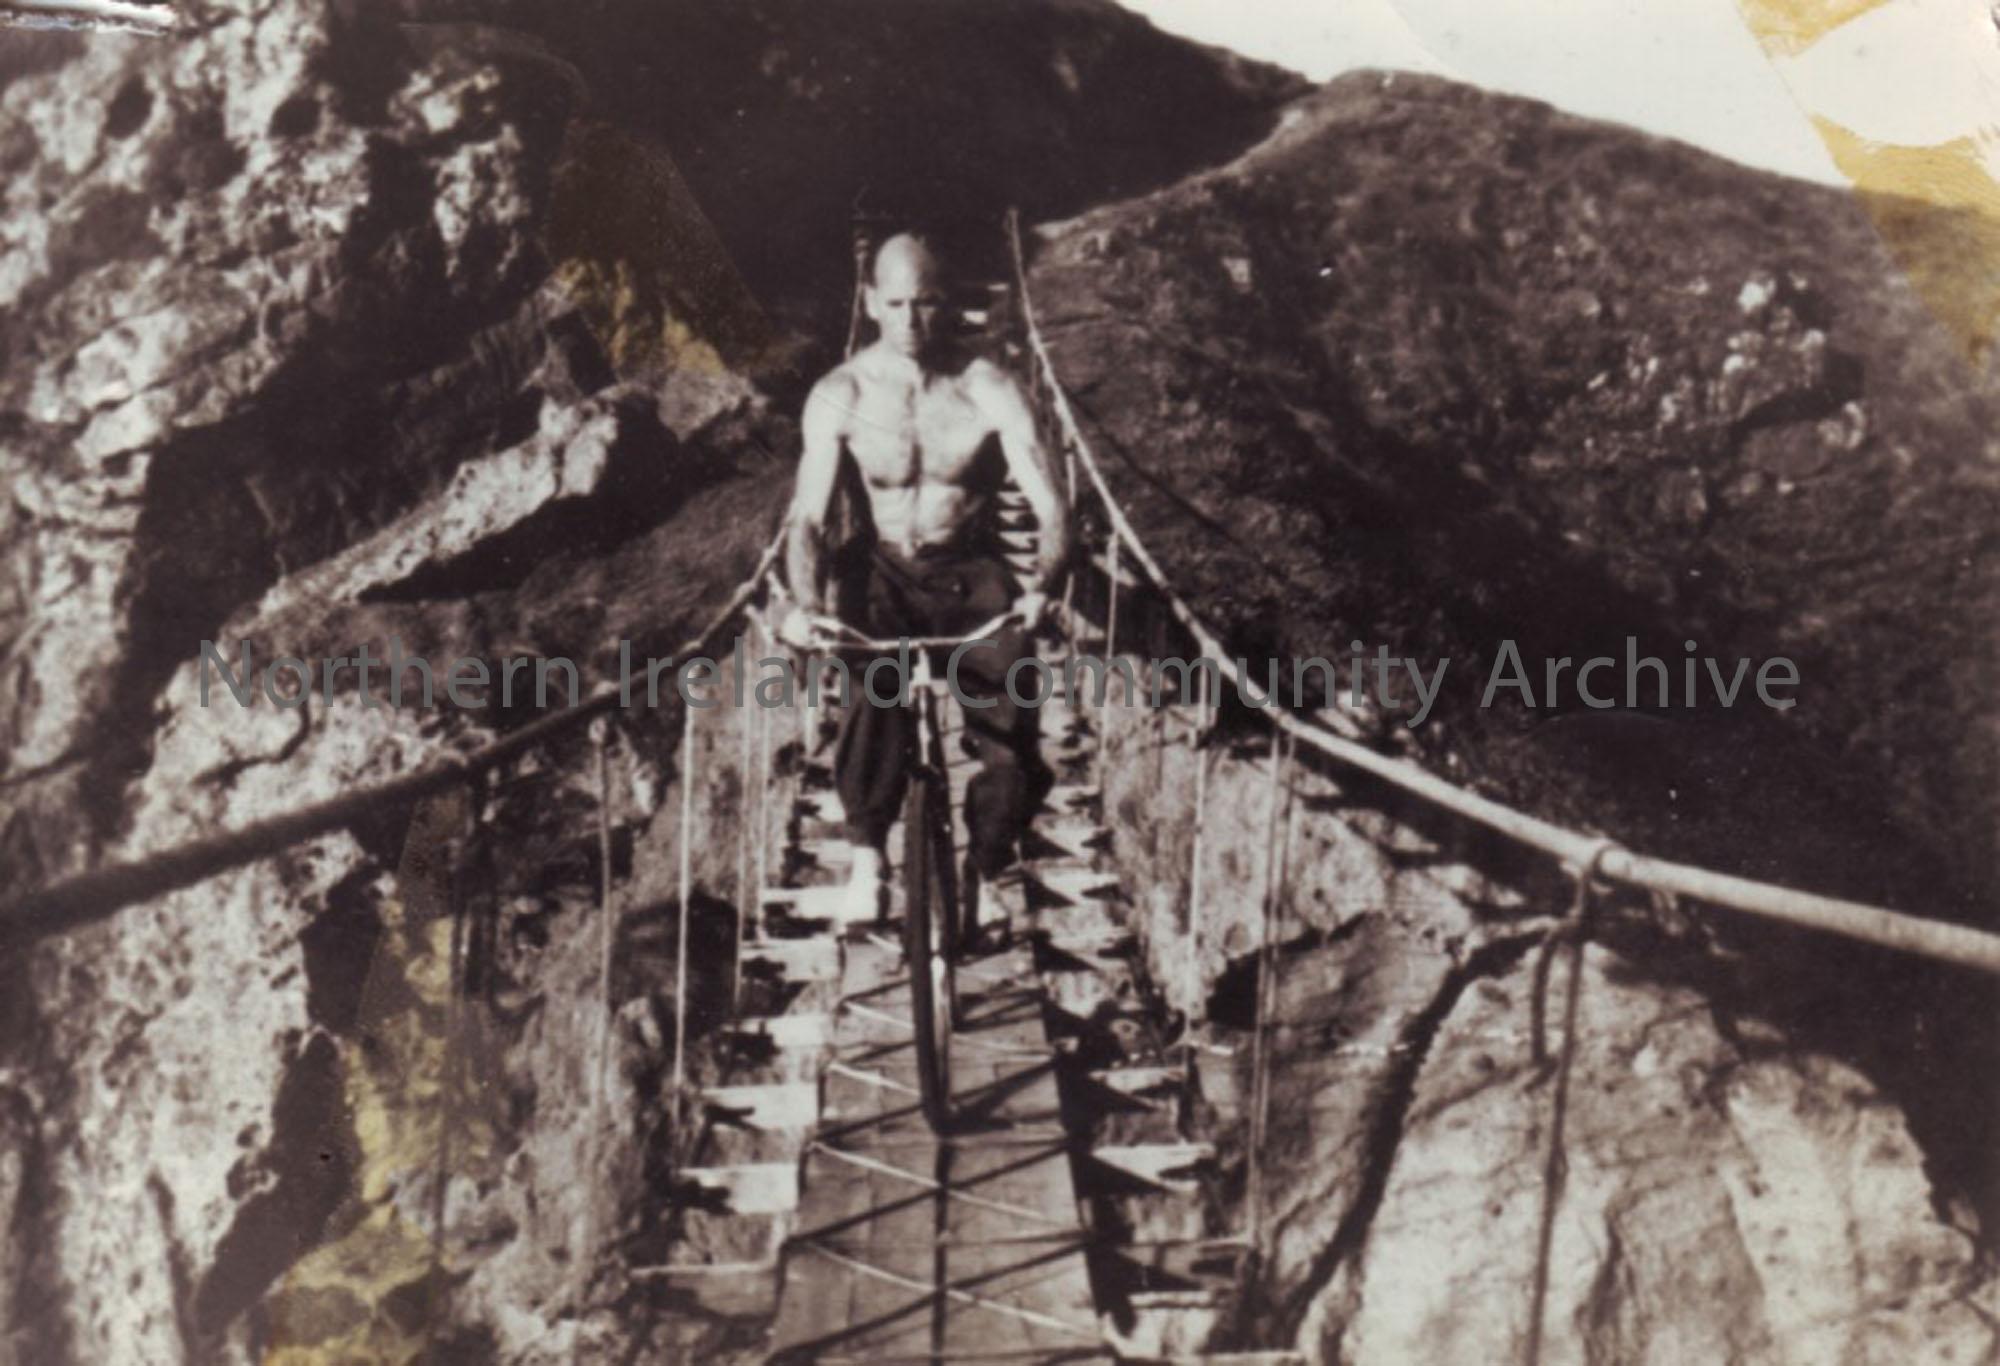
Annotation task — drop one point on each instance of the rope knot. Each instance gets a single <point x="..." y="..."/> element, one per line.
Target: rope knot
<point x="1571" y="929"/>
<point x="1574" y="933"/>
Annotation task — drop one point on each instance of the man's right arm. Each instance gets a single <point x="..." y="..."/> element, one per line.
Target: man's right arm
<point x="819" y="464"/>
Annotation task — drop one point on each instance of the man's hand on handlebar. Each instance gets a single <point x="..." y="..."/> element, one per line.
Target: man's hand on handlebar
<point x="1032" y="608"/>
<point x="795" y="628"/>
<point x="804" y="630"/>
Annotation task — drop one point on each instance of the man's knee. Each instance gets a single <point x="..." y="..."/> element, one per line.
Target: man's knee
<point x="1001" y="758"/>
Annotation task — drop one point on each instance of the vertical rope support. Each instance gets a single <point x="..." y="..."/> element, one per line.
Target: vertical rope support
<point x="1069" y="579"/>
<point x="815" y="677"/>
<point x="1574" y="932"/>
<point x="746" y="807"/>
<point x="1069" y="472"/>
<point x="681" y="927"/>
<point x="1193" y="982"/>
<point x="860" y="282"/>
<point x="607" y="907"/>
<point x="760" y="843"/>
<point x="1110" y="657"/>
<point x="1111" y="605"/>
<point x="607" y="938"/>
<point x="1277" y="843"/>
<point x="1020" y="282"/>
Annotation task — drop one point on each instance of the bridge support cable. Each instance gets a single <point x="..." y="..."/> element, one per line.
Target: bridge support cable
<point x="85" y="898"/>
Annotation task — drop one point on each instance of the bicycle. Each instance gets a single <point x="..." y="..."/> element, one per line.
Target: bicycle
<point x="931" y="925"/>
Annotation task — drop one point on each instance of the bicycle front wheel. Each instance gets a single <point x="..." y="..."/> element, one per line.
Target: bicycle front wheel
<point x="927" y="940"/>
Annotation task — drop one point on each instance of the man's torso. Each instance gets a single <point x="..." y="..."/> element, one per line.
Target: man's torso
<point x="923" y="446"/>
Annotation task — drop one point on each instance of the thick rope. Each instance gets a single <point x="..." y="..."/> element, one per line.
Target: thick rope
<point x="1273" y="939"/>
<point x="1111" y="605"/>
<point x="89" y="897"/>
<point x="94" y="14"/>
<point x="1555" y="1164"/>
<point x="1071" y="493"/>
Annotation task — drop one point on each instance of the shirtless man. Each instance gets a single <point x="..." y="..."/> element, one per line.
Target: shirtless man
<point x="931" y="435"/>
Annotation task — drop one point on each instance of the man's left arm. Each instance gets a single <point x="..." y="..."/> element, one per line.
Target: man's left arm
<point x="1028" y="462"/>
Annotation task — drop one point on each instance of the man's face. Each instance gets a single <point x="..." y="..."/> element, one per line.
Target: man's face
<point x="905" y="300"/>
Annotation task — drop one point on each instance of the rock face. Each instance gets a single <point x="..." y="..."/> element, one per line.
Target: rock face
<point x="1739" y="1185"/>
<point x="266" y="289"/>
<point x="1733" y="1173"/>
<point x="1393" y="376"/>
<point x="778" y="111"/>
<point x="328" y="323"/>
<point x="1434" y="368"/>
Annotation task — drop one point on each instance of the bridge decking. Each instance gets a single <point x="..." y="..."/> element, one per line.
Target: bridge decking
<point x="908" y="1245"/>
<point x="911" y="1246"/>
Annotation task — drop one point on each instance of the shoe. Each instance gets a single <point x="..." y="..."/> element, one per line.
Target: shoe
<point x="986" y="926"/>
<point x="864" y="899"/>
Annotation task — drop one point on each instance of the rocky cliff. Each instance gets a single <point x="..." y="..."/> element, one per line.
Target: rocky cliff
<point x="1433" y="369"/>
<point x="330" y="322"/>
<point x="480" y="325"/>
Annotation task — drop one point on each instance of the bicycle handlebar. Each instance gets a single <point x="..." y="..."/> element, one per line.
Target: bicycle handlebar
<point x="831" y="631"/>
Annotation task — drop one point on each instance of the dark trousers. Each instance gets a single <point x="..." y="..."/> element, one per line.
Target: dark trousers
<point x="940" y="591"/>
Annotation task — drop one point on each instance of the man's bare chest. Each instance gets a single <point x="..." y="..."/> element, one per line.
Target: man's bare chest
<point x="903" y="435"/>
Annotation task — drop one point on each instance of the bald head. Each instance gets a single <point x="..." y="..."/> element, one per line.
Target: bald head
<point x="904" y="297"/>
<point x="903" y="261"/>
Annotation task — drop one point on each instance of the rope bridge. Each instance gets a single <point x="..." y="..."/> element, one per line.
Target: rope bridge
<point x="75" y="902"/>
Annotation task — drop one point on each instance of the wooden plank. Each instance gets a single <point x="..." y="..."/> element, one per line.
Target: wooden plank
<point x="1166" y="1165"/>
<point x="1048" y="1288"/>
<point x="751" y="1188"/>
<point x="871" y="1219"/>
<point x="1034" y="1178"/>
<point x="892" y="1217"/>
<point x="1050" y="1282"/>
<point x="777" y="1107"/>
<point x="816" y="959"/>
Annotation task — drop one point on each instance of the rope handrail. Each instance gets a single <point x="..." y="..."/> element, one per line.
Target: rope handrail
<point x="84" y="898"/>
<point x="1935" y="939"/>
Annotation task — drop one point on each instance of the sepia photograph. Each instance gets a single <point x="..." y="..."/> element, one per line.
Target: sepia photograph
<point x="1177" y="682"/>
